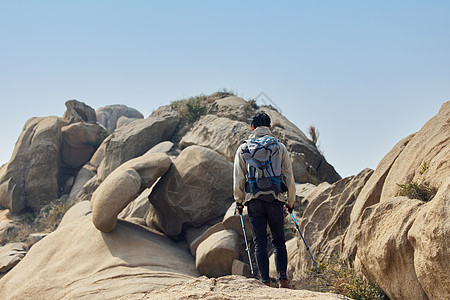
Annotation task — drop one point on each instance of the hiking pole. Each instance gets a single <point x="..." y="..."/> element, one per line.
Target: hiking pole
<point x="307" y="248"/>
<point x="246" y="245"/>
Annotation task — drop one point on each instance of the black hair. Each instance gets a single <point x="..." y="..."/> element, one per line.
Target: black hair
<point x="261" y="119"/>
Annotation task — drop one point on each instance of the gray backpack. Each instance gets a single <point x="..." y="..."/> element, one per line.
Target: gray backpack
<point x="264" y="166"/>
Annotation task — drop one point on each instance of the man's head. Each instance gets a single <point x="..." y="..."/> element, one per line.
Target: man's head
<point x="260" y="119"/>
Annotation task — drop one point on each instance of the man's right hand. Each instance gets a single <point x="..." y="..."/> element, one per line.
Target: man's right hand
<point x="289" y="208"/>
<point x="239" y="208"/>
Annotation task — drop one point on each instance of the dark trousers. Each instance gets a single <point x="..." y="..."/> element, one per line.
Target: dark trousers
<point x="262" y="213"/>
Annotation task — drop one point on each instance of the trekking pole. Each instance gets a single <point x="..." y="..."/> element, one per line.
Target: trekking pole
<point x="307" y="248"/>
<point x="246" y="246"/>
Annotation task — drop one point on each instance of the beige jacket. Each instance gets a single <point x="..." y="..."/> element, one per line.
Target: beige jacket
<point x="241" y="171"/>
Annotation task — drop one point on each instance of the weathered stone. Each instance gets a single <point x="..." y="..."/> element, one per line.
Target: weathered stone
<point x="78" y="261"/>
<point x="303" y="172"/>
<point x="81" y="209"/>
<point x="163" y="147"/>
<point x="124" y="121"/>
<point x="429" y="236"/>
<point x="370" y="195"/>
<point x="79" y="112"/>
<point x="215" y="255"/>
<point x="383" y="248"/>
<point x="210" y="231"/>
<point x="86" y="173"/>
<point x="232" y="108"/>
<point x="326" y="218"/>
<point x="231" y="287"/>
<point x="431" y="145"/>
<point x="86" y="192"/>
<point x="217" y="133"/>
<point x="37" y="152"/>
<point x="80" y="140"/>
<point x="123" y="185"/>
<point x="10" y="255"/>
<point x="193" y="233"/>
<point x="134" y="140"/>
<point x="240" y="268"/>
<point x="109" y="115"/>
<point x="197" y="188"/>
<point x="138" y="208"/>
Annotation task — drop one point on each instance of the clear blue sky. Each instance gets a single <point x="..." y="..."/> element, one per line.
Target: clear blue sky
<point x="365" y="73"/>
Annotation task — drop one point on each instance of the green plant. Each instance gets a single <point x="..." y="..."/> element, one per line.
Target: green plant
<point x="190" y="109"/>
<point x="253" y="103"/>
<point x="335" y="276"/>
<point x="416" y="189"/>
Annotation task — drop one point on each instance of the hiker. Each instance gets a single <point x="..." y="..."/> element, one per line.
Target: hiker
<point x="262" y="177"/>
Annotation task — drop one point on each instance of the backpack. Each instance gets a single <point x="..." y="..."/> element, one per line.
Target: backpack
<point x="264" y="166"/>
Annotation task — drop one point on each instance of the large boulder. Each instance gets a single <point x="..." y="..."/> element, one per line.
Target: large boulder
<point x="218" y="133"/>
<point x="10" y="255"/>
<point x="197" y="188"/>
<point x="425" y="158"/>
<point x="326" y="218"/>
<point x="79" y="112"/>
<point x="37" y="152"/>
<point x="232" y="107"/>
<point x="383" y="248"/>
<point x="369" y="195"/>
<point x="215" y="255"/>
<point x="134" y="140"/>
<point x="429" y="236"/>
<point x="80" y="140"/>
<point x="123" y="185"/>
<point x="79" y="262"/>
<point x="86" y="173"/>
<point x="109" y="115"/>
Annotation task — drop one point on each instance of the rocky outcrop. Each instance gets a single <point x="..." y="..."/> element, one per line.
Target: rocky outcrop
<point x="123" y="185"/>
<point x="231" y="287"/>
<point x="197" y="188"/>
<point x="77" y="261"/>
<point x="79" y="112"/>
<point x="86" y="173"/>
<point x="109" y="115"/>
<point x="79" y="142"/>
<point x="326" y="218"/>
<point x="37" y="152"/>
<point x="134" y="140"/>
<point x="217" y="133"/>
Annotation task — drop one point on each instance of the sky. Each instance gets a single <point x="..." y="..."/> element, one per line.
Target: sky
<point x="365" y="73"/>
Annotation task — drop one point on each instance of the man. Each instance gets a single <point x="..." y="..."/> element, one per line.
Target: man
<point x="265" y="206"/>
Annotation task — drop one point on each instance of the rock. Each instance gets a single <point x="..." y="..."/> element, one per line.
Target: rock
<point x="231" y="287"/>
<point x="210" y="231"/>
<point x="163" y="147"/>
<point x="123" y="185"/>
<point x="302" y="170"/>
<point x="37" y="152"/>
<point x="109" y="115"/>
<point x="369" y="195"/>
<point x="233" y="221"/>
<point x="217" y="133"/>
<point x="34" y="238"/>
<point x="302" y="190"/>
<point x="138" y="208"/>
<point x="134" y="140"/>
<point x="326" y="218"/>
<point x="193" y="233"/>
<point x="232" y="108"/>
<point x="197" y="188"/>
<point x="86" y="192"/>
<point x="81" y="209"/>
<point x="429" y="145"/>
<point x="291" y="248"/>
<point x="79" y="112"/>
<point x="10" y="255"/>
<point x="78" y="261"/>
<point x="215" y="255"/>
<point x="383" y="248"/>
<point x="86" y="173"/>
<point x="429" y="236"/>
<point x="240" y="268"/>
<point x="124" y="121"/>
<point x="8" y="223"/>
<point x="80" y="140"/>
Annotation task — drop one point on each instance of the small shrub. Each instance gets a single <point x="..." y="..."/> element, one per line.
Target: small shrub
<point x="253" y="103"/>
<point x="335" y="276"/>
<point x="416" y="190"/>
<point x="191" y="109"/>
<point x="314" y="134"/>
